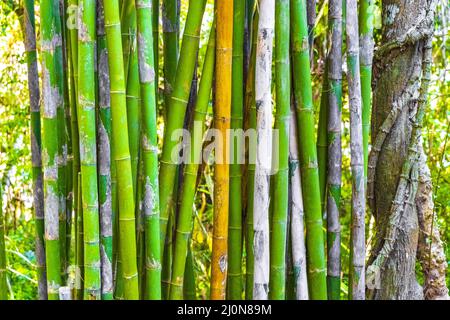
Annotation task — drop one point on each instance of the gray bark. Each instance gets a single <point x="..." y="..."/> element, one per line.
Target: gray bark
<point x="399" y="201"/>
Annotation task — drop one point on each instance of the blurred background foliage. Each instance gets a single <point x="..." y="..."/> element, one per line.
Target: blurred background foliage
<point x="15" y="157"/>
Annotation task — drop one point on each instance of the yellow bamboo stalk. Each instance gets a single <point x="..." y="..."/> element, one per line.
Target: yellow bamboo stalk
<point x="224" y="45"/>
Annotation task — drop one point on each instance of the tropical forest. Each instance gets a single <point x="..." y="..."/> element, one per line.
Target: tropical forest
<point x="224" y="150"/>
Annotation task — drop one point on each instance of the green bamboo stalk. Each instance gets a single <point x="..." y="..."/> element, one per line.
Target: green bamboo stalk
<point x="88" y="153"/>
<point x="74" y="141"/>
<point x="68" y="124"/>
<point x="322" y="143"/>
<point x="50" y="94"/>
<point x="171" y="29"/>
<point x="133" y="106"/>
<point x="127" y="227"/>
<point x="281" y="181"/>
<point x="132" y="82"/>
<point x="290" y="276"/>
<point x="79" y="246"/>
<point x="128" y="27"/>
<point x="72" y="43"/>
<point x="62" y="136"/>
<point x="3" y="281"/>
<point x="251" y="107"/>
<point x="150" y="200"/>
<point x="155" y="27"/>
<point x="104" y="157"/>
<point x="189" y="284"/>
<point x="167" y="257"/>
<point x="140" y="229"/>
<point x="185" y="218"/>
<point x="308" y="153"/>
<point x="234" y="286"/>
<point x="35" y="129"/>
<point x="177" y="110"/>
<point x="334" y="74"/>
<point x="366" y="10"/>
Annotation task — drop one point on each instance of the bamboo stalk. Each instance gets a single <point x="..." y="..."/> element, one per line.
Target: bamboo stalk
<point x="132" y="82"/>
<point x="297" y="214"/>
<point x="308" y="153"/>
<point x="79" y="246"/>
<point x="171" y="29"/>
<point x="104" y="157"/>
<point x="357" y="249"/>
<point x="366" y="43"/>
<point x="189" y="285"/>
<point x="88" y="152"/>
<point x="185" y="218"/>
<point x="72" y="43"/>
<point x="177" y="111"/>
<point x="263" y="97"/>
<point x="281" y="179"/>
<point x="62" y="136"/>
<point x="334" y="149"/>
<point x="250" y="105"/>
<point x="51" y="96"/>
<point x="149" y="142"/>
<point x="155" y="27"/>
<point x="224" y="44"/>
<point x="36" y="147"/>
<point x="127" y="227"/>
<point x="3" y="280"/>
<point x="322" y="142"/>
<point x="234" y="281"/>
<point x="68" y="127"/>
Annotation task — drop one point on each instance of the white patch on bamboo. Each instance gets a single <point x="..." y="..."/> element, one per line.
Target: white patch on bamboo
<point x="107" y="274"/>
<point x="146" y="71"/>
<point x="51" y="214"/>
<point x="149" y="198"/>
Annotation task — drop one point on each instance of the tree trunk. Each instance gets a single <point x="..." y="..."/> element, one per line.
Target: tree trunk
<point x="401" y="74"/>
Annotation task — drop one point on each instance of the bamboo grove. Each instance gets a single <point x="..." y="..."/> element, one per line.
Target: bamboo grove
<point x="114" y="209"/>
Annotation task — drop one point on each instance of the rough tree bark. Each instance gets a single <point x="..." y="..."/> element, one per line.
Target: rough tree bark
<point x="398" y="188"/>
